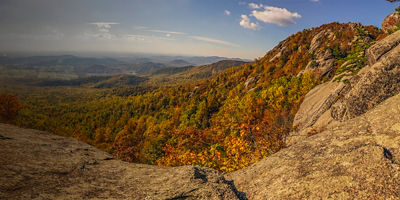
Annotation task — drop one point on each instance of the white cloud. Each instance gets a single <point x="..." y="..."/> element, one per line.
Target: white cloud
<point x="103" y="30"/>
<point x="227" y="12"/>
<point x="136" y="37"/>
<point x="206" y="39"/>
<point x="255" y="6"/>
<point x="147" y="38"/>
<point x="166" y="32"/>
<point x="275" y="15"/>
<point x="314" y="0"/>
<point x="106" y="36"/>
<point x="140" y="27"/>
<point x="165" y="35"/>
<point x="46" y="36"/>
<point x="245" y="22"/>
<point x="104" y="26"/>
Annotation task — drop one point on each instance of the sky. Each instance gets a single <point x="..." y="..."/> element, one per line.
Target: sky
<point x="229" y="28"/>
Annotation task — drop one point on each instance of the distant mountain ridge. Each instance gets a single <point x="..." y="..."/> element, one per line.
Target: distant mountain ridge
<point x="57" y="60"/>
<point x="80" y="60"/>
<point x="218" y="67"/>
<point x="69" y="67"/>
<point x="97" y="81"/>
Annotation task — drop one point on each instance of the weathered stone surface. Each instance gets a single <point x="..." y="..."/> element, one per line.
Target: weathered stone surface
<point x="380" y="48"/>
<point x="370" y="87"/>
<point x="323" y="64"/>
<point x="40" y="165"/>
<point x="279" y="54"/>
<point x="356" y="159"/>
<point x="324" y="61"/>
<point x="374" y="84"/>
<point x="317" y="102"/>
<point x="390" y="22"/>
<point x="249" y="81"/>
<point x="317" y="40"/>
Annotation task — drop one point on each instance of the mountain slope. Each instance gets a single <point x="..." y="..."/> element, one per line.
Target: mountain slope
<point x="349" y="144"/>
<point x="357" y="159"/>
<point x="97" y="81"/>
<point x="192" y="73"/>
<point x="227" y="121"/>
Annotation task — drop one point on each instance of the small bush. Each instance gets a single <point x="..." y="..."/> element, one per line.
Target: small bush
<point x="9" y="108"/>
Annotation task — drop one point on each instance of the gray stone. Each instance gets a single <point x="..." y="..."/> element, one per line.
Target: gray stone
<point x="356" y="159"/>
<point x="373" y="85"/>
<point x="390" y="22"/>
<point x="316" y="103"/>
<point x="380" y="48"/>
<point x="40" y="165"/>
<point x="317" y="40"/>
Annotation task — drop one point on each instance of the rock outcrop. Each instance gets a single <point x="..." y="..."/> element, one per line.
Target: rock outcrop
<point x="391" y="22"/>
<point x="374" y="83"/>
<point x="314" y="112"/>
<point x="356" y="159"/>
<point x="324" y="57"/>
<point x="40" y="165"/>
<point x="339" y="101"/>
<point x="375" y="52"/>
<point x="324" y="60"/>
<point x="347" y="141"/>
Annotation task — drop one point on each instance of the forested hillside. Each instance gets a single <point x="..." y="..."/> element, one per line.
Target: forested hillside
<point x="226" y="122"/>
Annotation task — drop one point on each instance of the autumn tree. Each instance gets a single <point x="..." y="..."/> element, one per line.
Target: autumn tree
<point x="225" y="122"/>
<point x="9" y="107"/>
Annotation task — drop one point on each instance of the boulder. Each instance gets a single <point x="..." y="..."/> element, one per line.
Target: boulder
<point x="381" y="47"/>
<point x="317" y="102"/>
<point x="324" y="61"/>
<point x="40" y="165"/>
<point x="373" y="84"/>
<point x="391" y="22"/>
<point x="317" y="40"/>
<point x="338" y="101"/>
<point x="249" y="81"/>
<point x="356" y="159"/>
<point x="279" y="54"/>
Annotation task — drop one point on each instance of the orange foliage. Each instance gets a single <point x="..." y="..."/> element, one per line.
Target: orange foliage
<point x="226" y="122"/>
<point x="9" y="107"/>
